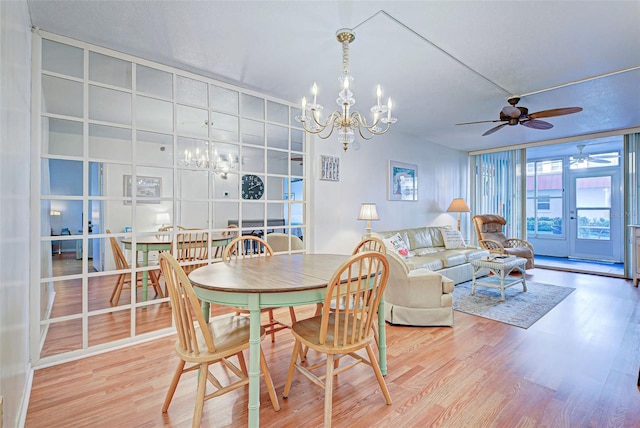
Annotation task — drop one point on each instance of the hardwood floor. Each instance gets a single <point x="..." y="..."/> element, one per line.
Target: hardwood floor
<point x="576" y="367"/>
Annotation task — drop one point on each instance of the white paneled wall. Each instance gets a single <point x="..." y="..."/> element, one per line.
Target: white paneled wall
<point x="15" y="101"/>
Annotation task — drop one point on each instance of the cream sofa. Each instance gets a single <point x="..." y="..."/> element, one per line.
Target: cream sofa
<point x="427" y="250"/>
<point x="420" y="286"/>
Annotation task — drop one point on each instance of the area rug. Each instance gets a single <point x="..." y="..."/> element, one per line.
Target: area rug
<point x="521" y="309"/>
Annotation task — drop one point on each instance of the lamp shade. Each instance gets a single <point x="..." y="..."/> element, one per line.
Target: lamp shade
<point x="368" y="212"/>
<point x="163" y="218"/>
<point x="458" y="205"/>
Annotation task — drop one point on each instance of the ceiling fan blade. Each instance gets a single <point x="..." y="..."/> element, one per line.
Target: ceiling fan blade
<point x="495" y="128"/>
<point x="481" y="121"/>
<point x="555" y="112"/>
<point x="597" y="160"/>
<point x="536" y="124"/>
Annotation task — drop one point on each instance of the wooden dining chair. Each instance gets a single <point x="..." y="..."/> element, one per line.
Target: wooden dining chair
<point x="231" y="233"/>
<point x="201" y="345"/>
<point x="191" y="249"/>
<point x="248" y="246"/>
<point x="124" y="278"/>
<point x="371" y="243"/>
<point x="340" y="332"/>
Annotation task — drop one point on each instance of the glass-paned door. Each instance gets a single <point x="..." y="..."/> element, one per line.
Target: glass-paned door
<point x="594" y="216"/>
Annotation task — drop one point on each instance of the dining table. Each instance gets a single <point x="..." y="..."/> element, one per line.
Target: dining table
<point x="269" y="282"/>
<point x="147" y="243"/>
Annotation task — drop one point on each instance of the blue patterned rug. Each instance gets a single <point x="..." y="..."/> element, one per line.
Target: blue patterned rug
<point x="521" y="309"/>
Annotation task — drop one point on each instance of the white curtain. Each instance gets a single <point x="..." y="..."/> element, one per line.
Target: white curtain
<point x="632" y="197"/>
<point x="498" y="182"/>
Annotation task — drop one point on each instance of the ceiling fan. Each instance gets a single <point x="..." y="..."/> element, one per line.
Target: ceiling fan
<point x="512" y="115"/>
<point x="580" y="157"/>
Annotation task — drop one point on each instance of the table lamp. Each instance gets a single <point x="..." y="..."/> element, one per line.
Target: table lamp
<point x="368" y="212"/>
<point x="458" y="205"/>
<point x="163" y="219"/>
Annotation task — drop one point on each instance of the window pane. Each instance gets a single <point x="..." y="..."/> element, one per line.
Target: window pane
<point x="224" y="213"/>
<point x="153" y="114"/>
<point x="154" y="82"/>
<point x="64" y="177"/>
<point x="297" y="140"/>
<point x="111" y="180"/>
<point x="224" y="127"/>
<point x="277" y="162"/>
<point x="277" y="136"/>
<point x="109" y="70"/>
<point x="193" y="153"/>
<point x="226" y="187"/>
<point x="63" y="59"/>
<point x="109" y="106"/>
<point x="594" y="224"/>
<point x="224" y="99"/>
<point x="109" y="143"/>
<point x="61" y="96"/>
<point x="252" y="132"/>
<point x="252" y="107"/>
<point x="154" y="149"/>
<point x="191" y="91"/>
<point x="64" y="137"/>
<point x="193" y="214"/>
<point x="277" y="112"/>
<point x="193" y="184"/>
<point x="252" y="159"/>
<point x="593" y="192"/>
<point x="192" y="121"/>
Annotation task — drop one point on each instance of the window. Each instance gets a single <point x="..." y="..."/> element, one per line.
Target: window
<point x="545" y="198"/>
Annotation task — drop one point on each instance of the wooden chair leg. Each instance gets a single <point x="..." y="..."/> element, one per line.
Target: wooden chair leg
<point x="378" y="373"/>
<point x="328" y="391"/>
<point x="269" y="382"/>
<point x="172" y="386"/>
<point x="292" y="367"/>
<point x="202" y="389"/>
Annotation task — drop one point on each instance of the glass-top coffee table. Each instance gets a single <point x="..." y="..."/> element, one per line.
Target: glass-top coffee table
<point x="501" y="269"/>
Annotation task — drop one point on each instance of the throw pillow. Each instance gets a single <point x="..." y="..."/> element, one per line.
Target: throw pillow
<point x="396" y="244"/>
<point x="452" y="239"/>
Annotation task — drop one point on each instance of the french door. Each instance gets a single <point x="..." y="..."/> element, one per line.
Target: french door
<point x="595" y="215"/>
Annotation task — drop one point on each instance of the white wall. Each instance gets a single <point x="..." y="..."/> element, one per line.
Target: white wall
<point x="15" y="100"/>
<point x="442" y="175"/>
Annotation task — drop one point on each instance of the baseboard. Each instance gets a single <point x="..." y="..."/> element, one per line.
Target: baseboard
<point x="26" y="396"/>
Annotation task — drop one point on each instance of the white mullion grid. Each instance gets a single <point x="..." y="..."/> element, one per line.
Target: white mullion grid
<point x="134" y="205"/>
<point x="37" y="156"/>
<point x="85" y="186"/>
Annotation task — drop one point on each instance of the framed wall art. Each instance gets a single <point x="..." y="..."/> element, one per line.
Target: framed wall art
<point x="330" y="168"/>
<point x="148" y="189"/>
<point x="403" y="181"/>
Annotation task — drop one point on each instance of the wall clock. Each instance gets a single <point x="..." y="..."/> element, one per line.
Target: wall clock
<point x="252" y="187"/>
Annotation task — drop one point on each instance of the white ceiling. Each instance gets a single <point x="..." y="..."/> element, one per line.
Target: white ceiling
<point x="442" y="62"/>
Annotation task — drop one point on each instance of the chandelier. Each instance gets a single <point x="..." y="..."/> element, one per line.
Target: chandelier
<point x="221" y="164"/>
<point x="344" y="121"/>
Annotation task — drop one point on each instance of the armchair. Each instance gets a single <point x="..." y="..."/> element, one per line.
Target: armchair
<point x="492" y="238"/>
<point x="417" y="297"/>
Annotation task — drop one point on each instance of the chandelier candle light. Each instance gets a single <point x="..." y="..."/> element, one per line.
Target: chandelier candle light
<point x="344" y="120"/>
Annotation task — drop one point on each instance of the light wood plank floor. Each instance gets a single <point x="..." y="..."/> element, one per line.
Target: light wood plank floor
<point x="576" y="367"/>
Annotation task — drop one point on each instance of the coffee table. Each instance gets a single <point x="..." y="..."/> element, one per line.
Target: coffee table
<point x="500" y="270"/>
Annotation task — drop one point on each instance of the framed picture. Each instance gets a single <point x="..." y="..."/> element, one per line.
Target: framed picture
<point x="403" y="181"/>
<point x="330" y="168"/>
<point x="148" y="189"/>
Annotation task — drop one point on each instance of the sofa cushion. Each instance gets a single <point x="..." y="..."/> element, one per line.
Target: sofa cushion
<point x="450" y="258"/>
<point x="396" y="244"/>
<point x="471" y="253"/>
<point x="425" y="262"/>
<point x="452" y="239"/>
<point x="435" y="232"/>
<point x="419" y="238"/>
<point x="425" y="251"/>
